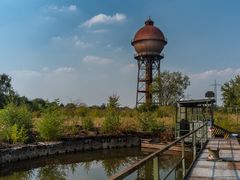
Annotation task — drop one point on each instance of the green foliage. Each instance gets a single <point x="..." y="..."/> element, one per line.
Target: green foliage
<point x="87" y="122"/>
<point x="16" y="122"/>
<point x="82" y="111"/>
<point x="38" y="104"/>
<point x="222" y="120"/>
<point x="113" y="102"/>
<point x="231" y="92"/>
<point x="165" y="111"/>
<point x="14" y="134"/>
<point x="171" y="86"/>
<point x="19" y="115"/>
<point x="111" y="122"/>
<point x="50" y="127"/>
<point x="97" y="113"/>
<point x="6" y="90"/>
<point x="146" y="108"/>
<point x="149" y="123"/>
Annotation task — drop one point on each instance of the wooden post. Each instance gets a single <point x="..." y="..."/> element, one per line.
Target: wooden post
<point x="155" y="169"/>
<point x="183" y="158"/>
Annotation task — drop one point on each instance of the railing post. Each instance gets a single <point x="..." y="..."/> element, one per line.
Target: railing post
<point x="194" y="146"/>
<point x="206" y="131"/>
<point x="155" y="169"/>
<point x="183" y="158"/>
<point x="202" y="137"/>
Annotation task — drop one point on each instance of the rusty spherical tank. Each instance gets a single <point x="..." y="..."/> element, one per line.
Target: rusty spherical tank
<point x="149" y="40"/>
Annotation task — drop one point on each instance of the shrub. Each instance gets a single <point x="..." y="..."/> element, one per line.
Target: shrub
<point x="87" y="122"/>
<point x="16" y="122"/>
<point x="14" y="134"/>
<point x="19" y="115"/>
<point x="50" y="127"/>
<point x="148" y="122"/>
<point x="111" y="123"/>
<point x="165" y="111"/>
<point x="82" y="111"/>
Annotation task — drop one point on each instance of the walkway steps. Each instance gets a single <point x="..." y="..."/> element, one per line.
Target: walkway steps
<point x="228" y="168"/>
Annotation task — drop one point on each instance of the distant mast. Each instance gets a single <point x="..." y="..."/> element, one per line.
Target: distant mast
<point x="148" y="42"/>
<point x="215" y="85"/>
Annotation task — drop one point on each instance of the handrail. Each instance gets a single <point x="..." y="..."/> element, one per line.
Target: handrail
<point x="142" y="162"/>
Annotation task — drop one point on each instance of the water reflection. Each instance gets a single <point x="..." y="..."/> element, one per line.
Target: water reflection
<point x="85" y="165"/>
<point x="166" y="162"/>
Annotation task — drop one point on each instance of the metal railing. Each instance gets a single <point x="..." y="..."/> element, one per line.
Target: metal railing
<point x="201" y="141"/>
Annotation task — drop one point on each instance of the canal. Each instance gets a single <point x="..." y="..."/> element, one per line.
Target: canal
<point x="92" y="165"/>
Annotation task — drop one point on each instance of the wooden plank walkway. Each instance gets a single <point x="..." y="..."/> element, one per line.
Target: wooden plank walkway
<point x="226" y="169"/>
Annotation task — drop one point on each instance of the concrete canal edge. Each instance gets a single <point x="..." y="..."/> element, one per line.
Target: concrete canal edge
<point x="31" y="151"/>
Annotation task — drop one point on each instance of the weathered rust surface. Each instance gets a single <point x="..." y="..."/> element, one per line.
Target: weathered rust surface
<point x="149" y="39"/>
<point x="149" y="31"/>
<point x="228" y="167"/>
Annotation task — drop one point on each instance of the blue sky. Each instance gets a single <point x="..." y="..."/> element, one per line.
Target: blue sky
<point x="80" y="50"/>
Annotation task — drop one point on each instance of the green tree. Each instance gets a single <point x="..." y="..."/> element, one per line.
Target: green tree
<point x="231" y="92"/>
<point x="170" y="86"/>
<point x="6" y="90"/>
<point x="111" y="122"/>
<point x="38" y="104"/>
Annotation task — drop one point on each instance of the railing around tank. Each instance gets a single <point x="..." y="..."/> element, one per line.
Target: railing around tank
<point x="196" y="141"/>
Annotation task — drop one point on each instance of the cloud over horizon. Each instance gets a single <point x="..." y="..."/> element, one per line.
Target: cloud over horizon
<point x="68" y="83"/>
<point x="203" y="81"/>
<point x="104" y="19"/>
<point x="96" y="60"/>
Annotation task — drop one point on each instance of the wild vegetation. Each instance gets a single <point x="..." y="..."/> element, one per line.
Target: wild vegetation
<point x="23" y="120"/>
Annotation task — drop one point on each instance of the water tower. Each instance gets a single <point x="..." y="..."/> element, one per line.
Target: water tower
<point x="148" y="42"/>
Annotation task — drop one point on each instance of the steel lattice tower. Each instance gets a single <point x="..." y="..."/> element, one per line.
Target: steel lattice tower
<point x="148" y="43"/>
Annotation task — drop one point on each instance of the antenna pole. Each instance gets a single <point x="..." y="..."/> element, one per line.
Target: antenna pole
<point x="215" y="85"/>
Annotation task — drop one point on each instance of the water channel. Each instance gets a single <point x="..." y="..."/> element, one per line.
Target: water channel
<point x="98" y="165"/>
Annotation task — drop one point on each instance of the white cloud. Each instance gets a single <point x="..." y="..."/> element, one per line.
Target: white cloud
<point x="104" y="19"/>
<point x="216" y="73"/>
<point x="64" y="70"/>
<point x="42" y="72"/>
<point x="100" y="31"/>
<point x="25" y="73"/>
<point x="56" y="38"/>
<point x="72" y="8"/>
<point x="128" y="68"/>
<point x="79" y="43"/>
<point x="96" y="60"/>
<point x="59" y="9"/>
<point x="71" y="41"/>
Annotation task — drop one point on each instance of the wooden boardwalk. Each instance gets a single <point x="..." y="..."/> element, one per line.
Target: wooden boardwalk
<point x="225" y="169"/>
